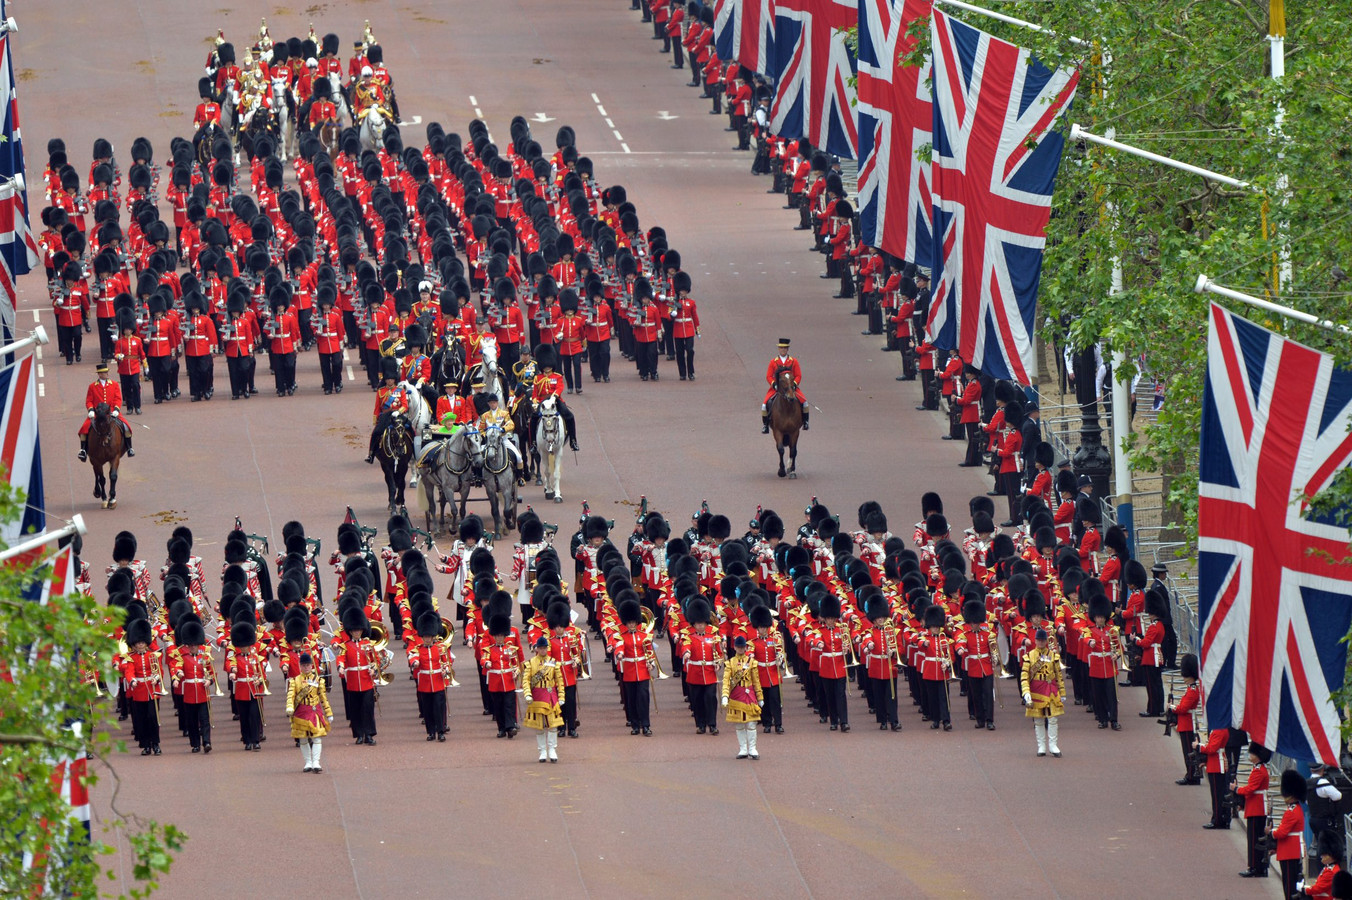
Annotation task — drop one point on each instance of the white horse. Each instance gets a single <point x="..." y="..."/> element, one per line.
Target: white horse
<point x="281" y="108"/>
<point x="488" y="372"/>
<point x="374" y="120"/>
<point x="420" y="417"/>
<point x="549" y="441"/>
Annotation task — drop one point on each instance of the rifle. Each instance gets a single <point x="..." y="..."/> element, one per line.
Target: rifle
<point x="1170" y="717"/>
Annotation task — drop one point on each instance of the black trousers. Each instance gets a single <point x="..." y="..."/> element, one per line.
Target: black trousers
<point x="1154" y="690"/>
<point x="772" y="707"/>
<point x="743" y="133"/>
<point x="982" y="692"/>
<point x="370" y="360"/>
<point x="927" y="389"/>
<point x="107" y="327"/>
<point x="1290" y="875"/>
<point x="1103" y="694"/>
<point x="330" y="370"/>
<point x="159" y="375"/>
<point x="837" y="706"/>
<point x="432" y="708"/>
<point x="1256" y="826"/>
<point x="69" y="339"/>
<point x="1011" y="482"/>
<point x="283" y="370"/>
<point x="363" y="713"/>
<point x="668" y="341"/>
<point x="636" y="703"/>
<point x="936" y="699"/>
<point x="645" y="355"/>
<point x="1218" y="782"/>
<point x="145" y="723"/>
<point x="307" y="334"/>
<point x="677" y="54"/>
<point x="508" y="355"/>
<point x="250" y="722"/>
<point x="703" y="704"/>
<point x="685" y="356"/>
<point x="201" y="374"/>
<point x="131" y="391"/>
<point x="598" y="359"/>
<point x="572" y="369"/>
<point x="503" y="706"/>
<point x="196" y="720"/>
<point x="884" y="699"/>
<point x="173" y="377"/>
<point x="569" y="710"/>
<point x="974" y="442"/>
<point x="1185" y="739"/>
<point x="240" y="369"/>
<point x="351" y="330"/>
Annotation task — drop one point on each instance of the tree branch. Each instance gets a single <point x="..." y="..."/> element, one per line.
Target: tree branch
<point x="35" y="739"/>
<point x="1262" y="27"/>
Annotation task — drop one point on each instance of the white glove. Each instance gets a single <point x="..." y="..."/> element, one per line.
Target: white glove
<point x="91" y="414"/>
<point x="116" y="414"/>
<point x="1027" y="698"/>
<point x="725" y="701"/>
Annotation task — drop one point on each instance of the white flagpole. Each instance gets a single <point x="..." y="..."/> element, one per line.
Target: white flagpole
<point x="1001" y="17"/>
<point x="76" y="526"/>
<point x="1205" y="284"/>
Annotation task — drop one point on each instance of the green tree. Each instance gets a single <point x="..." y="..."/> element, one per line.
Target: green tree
<point x="47" y="713"/>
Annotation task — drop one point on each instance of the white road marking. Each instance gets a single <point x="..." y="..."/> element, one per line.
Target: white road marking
<point x="609" y="124"/>
<point x="618" y="136"/>
<point x="601" y="109"/>
<point x="38" y="351"/>
<point x="42" y="389"/>
<point x="35" y="316"/>
<point x="473" y="101"/>
<point x="624" y="147"/>
<point x="596" y="99"/>
<point x="41" y="374"/>
<point x="350" y="376"/>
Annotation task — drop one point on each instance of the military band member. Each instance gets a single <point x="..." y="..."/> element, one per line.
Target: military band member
<point x="246" y="672"/>
<point x="307" y="706"/>
<point x="430" y="664"/>
<point x="830" y="647"/>
<point x="701" y="655"/>
<point x="192" y="672"/>
<point x="140" y="670"/>
<point x="568" y="646"/>
<point x="500" y="660"/>
<point x="768" y="649"/>
<point x="979" y="652"/>
<point x="1044" y="687"/>
<point x="357" y="667"/>
<point x="1104" y="645"/>
<point x="743" y="697"/>
<point x="632" y="651"/>
<point x="542" y="679"/>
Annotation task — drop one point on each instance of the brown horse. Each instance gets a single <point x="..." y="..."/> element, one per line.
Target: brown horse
<point x="107" y="445"/>
<point x="786" y="420"/>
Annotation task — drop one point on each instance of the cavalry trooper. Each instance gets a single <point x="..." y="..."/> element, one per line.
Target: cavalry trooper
<point x="109" y="392"/>
<point x="782" y="361"/>
<point x="548" y="384"/>
<point x="390" y="400"/>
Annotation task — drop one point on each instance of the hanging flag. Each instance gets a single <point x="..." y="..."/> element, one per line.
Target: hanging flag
<point x="895" y="117"/>
<point x="1274" y="593"/>
<point x="18" y="249"/>
<point x="812" y="69"/>
<point x="744" y="32"/>
<point x="19" y="451"/>
<point x="995" y="159"/>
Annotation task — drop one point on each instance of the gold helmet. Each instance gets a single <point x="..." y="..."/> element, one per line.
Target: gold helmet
<point x="314" y="38"/>
<point x="366" y="36"/>
<point x="248" y="61"/>
<point x="220" y="36"/>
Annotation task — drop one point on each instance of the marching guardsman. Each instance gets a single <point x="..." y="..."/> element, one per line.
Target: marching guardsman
<point x="548" y="384"/>
<point x="532" y="532"/>
<point x="283" y="332"/>
<point x="598" y="322"/>
<point x="71" y="302"/>
<point x="767" y="647"/>
<point x="193" y="673"/>
<point x="567" y="645"/>
<point x="684" y="325"/>
<point x="542" y="680"/>
<point x="199" y="347"/>
<point x="979" y="653"/>
<point x="1104" y="643"/>
<point x="632" y="650"/>
<point x="103" y="391"/>
<point x="328" y="333"/>
<point x="936" y="662"/>
<point x="831" y="647"/>
<point x="1254" y="792"/>
<point x="307" y="706"/>
<point x="783" y="361"/>
<point x="430" y="664"/>
<point x="570" y="333"/>
<point x="742" y="697"/>
<point x="645" y="320"/>
<point x="391" y="400"/>
<point x="140" y="670"/>
<point x="500" y="661"/>
<point x="880" y="651"/>
<point x="701" y="655"/>
<point x="1044" y="687"/>
<point x="357" y="667"/>
<point x="246" y="673"/>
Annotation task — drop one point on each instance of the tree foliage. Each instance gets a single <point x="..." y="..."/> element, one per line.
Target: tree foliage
<point x="48" y="712"/>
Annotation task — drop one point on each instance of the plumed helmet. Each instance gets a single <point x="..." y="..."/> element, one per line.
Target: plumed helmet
<point x="243" y="634"/>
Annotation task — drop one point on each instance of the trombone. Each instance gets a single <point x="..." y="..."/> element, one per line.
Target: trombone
<point x="446" y="638"/>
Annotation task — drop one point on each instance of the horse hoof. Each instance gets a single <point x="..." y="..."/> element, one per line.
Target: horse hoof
<point x="104" y="504"/>
<point x="549" y="495"/>
<point x="793" y="475"/>
<point x="558" y="499"/>
<point x="782" y="473"/>
<point x="112" y="504"/>
<point x="538" y="481"/>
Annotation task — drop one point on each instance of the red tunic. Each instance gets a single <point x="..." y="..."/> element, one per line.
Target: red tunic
<point x="700" y="654"/>
<point x="631" y="650"/>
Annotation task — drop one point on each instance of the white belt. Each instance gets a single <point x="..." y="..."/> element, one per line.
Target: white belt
<point x="935" y="658"/>
<point x="1097" y="653"/>
<point x="633" y="659"/>
<point x="697" y="662"/>
<point x="500" y="671"/>
<point x="824" y="653"/>
<point x="194" y="681"/>
<point x="978" y="655"/>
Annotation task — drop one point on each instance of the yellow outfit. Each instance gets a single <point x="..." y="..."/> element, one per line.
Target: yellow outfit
<point x="541" y="675"/>
<point x="1039" y="670"/>
<point x="307" y="690"/>
<point x="742" y="671"/>
<point x="499" y="417"/>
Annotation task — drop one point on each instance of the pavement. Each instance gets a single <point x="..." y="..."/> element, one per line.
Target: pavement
<point x="919" y="813"/>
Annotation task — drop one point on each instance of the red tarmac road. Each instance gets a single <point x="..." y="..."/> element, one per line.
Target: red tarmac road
<point x="914" y="814"/>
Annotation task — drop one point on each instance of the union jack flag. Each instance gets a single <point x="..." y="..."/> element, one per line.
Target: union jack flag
<point x="1275" y="419"/>
<point x="20" y="454"/>
<point x="18" y="249"/>
<point x="744" y="30"/>
<point x="813" y="65"/>
<point x="895" y="117"/>
<point x="994" y="164"/>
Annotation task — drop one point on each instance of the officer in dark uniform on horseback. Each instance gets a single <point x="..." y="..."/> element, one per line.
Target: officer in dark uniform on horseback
<point x="390" y="400"/>
<point x="550" y="384"/>
<point x="782" y="361"/>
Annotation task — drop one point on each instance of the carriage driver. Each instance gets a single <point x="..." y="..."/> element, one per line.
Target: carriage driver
<point x="103" y="391"/>
<point x="390" y="399"/>
<point x="782" y="361"/>
<point x="550" y="384"/>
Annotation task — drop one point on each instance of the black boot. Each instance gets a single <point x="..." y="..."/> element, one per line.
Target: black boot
<point x="84" y="448"/>
<point x="765" y="423"/>
<point x="805" y="417"/>
<point x="371" y="451"/>
<point x="572" y="436"/>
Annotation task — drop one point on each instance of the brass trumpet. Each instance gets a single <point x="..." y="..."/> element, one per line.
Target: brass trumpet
<point x="380" y="640"/>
